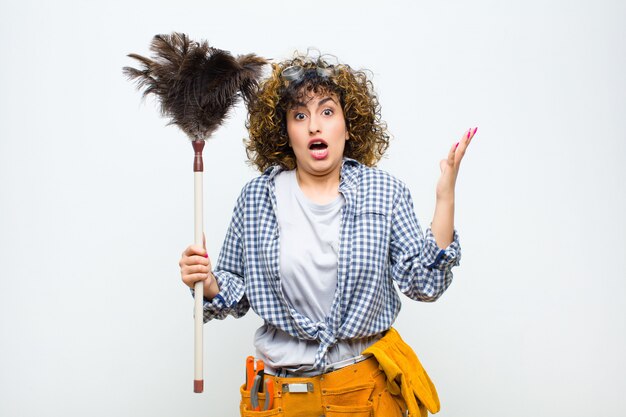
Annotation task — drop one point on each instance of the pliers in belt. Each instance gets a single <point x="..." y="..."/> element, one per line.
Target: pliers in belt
<point x="258" y="386"/>
<point x="256" y="382"/>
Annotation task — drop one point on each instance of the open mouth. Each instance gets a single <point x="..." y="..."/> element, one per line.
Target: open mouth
<point x="316" y="146"/>
<point x="318" y="149"/>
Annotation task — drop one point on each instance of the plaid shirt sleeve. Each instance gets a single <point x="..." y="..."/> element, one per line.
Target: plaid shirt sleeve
<point x="229" y="272"/>
<point x="420" y="268"/>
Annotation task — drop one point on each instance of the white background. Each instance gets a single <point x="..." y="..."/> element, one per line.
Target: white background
<point x="97" y="199"/>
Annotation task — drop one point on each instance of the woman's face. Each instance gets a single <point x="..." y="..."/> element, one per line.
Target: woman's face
<point x="317" y="133"/>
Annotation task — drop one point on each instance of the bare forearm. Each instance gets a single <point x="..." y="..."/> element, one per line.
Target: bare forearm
<point x="443" y="221"/>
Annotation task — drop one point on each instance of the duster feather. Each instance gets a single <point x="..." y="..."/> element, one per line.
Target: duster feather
<point x="195" y="84"/>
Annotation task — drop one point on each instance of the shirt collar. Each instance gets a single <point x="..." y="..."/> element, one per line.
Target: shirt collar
<point x="349" y="174"/>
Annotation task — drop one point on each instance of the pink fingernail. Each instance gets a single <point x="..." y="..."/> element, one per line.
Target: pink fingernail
<point x="469" y="132"/>
<point x="456" y="146"/>
<point x="475" y="129"/>
<point x="206" y="255"/>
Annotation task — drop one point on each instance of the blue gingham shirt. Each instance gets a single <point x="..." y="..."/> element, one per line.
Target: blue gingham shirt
<point x="381" y="242"/>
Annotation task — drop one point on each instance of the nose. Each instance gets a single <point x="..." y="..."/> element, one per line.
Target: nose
<point x="313" y="125"/>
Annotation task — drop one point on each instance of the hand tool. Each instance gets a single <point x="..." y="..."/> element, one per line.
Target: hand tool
<point x="250" y="374"/>
<point x="260" y="371"/>
<point x="257" y="387"/>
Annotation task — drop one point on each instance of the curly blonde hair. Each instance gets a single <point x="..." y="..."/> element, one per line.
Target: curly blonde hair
<point x="268" y="143"/>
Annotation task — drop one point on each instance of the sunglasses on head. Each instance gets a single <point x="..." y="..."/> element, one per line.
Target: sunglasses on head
<point x="296" y="72"/>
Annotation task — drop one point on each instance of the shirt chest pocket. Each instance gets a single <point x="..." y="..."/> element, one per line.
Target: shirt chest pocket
<point x="370" y="244"/>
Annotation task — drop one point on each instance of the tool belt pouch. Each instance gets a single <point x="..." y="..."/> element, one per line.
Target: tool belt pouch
<point x="405" y="374"/>
<point x="247" y="410"/>
<point x="306" y="396"/>
<point x="346" y="392"/>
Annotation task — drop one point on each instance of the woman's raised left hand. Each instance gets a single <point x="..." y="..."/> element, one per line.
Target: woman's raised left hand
<point x="450" y="166"/>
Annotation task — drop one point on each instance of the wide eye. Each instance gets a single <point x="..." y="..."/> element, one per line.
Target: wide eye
<point x="327" y="112"/>
<point x="299" y="116"/>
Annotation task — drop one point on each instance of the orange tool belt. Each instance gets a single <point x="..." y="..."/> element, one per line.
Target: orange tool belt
<point x="390" y="383"/>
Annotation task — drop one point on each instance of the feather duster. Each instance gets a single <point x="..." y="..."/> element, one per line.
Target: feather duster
<point x="195" y="84"/>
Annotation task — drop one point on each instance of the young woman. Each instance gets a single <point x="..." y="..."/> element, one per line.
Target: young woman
<point x="316" y="243"/>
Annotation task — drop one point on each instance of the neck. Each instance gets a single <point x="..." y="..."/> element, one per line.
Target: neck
<point x="320" y="189"/>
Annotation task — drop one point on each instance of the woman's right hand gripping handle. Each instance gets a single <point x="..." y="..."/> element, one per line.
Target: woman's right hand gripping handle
<point x="195" y="266"/>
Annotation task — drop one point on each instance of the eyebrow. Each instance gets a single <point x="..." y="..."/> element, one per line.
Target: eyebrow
<point x="320" y="103"/>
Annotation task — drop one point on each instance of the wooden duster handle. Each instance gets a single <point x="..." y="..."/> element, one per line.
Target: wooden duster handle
<point x="198" y="168"/>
